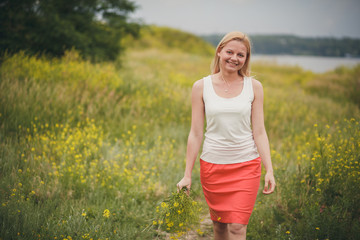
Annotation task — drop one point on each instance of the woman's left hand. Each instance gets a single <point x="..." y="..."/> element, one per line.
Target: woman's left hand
<point x="269" y="183"/>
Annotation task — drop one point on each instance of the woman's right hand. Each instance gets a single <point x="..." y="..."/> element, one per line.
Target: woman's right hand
<point x="184" y="182"/>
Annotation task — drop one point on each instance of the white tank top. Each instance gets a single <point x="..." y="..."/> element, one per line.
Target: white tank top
<point x="228" y="136"/>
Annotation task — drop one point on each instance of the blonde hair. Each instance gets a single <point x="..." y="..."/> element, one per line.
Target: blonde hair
<point x="239" y="36"/>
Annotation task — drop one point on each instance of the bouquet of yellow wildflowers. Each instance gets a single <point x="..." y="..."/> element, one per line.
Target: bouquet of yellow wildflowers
<point x="177" y="214"/>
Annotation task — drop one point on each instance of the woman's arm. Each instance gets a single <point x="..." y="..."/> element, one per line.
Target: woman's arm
<point x="196" y="132"/>
<point x="260" y="136"/>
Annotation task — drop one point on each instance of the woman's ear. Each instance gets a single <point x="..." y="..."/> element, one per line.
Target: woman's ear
<point x="218" y="52"/>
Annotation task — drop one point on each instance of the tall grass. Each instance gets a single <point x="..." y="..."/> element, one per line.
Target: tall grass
<point x="89" y="150"/>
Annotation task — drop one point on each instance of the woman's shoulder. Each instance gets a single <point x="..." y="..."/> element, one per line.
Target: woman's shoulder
<point x="256" y="83"/>
<point x="199" y="84"/>
<point x="257" y="88"/>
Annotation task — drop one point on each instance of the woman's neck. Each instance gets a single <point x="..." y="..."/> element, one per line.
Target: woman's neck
<point x="229" y="77"/>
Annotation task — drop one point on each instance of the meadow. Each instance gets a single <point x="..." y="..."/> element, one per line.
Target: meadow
<point x="91" y="150"/>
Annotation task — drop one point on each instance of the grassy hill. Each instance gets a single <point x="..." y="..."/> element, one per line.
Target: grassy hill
<point x="169" y="39"/>
<point x="90" y="150"/>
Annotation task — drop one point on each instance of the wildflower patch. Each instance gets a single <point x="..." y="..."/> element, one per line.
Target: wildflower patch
<point x="177" y="214"/>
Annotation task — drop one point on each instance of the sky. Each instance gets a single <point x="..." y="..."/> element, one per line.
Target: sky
<point x="305" y="18"/>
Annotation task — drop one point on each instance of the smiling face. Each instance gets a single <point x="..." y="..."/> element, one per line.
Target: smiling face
<point x="232" y="56"/>
<point x="236" y="42"/>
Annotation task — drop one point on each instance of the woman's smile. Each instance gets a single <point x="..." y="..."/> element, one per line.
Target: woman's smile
<point x="233" y="55"/>
<point x="232" y="63"/>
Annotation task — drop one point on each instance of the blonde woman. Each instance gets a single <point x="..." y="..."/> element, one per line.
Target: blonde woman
<point x="235" y="139"/>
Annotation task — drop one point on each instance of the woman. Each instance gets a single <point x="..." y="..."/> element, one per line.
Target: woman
<point x="235" y="140"/>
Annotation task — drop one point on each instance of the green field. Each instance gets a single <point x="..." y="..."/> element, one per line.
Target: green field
<point x="90" y="150"/>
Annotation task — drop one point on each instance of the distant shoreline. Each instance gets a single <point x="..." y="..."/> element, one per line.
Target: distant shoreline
<point x="316" y="64"/>
<point x="303" y="46"/>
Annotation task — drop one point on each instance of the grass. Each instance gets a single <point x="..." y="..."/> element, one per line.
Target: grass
<point x="88" y="151"/>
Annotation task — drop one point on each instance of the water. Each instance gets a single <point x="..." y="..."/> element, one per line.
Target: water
<point x="312" y="63"/>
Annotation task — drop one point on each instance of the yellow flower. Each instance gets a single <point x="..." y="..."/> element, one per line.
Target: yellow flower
<point x="86" y="236"/>
<point x="287" y="232"/>
<point x="176" y="204"/>
<point x="106" y="213"/>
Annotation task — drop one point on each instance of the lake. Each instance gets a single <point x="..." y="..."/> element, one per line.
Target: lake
<point x="313" y="63"/>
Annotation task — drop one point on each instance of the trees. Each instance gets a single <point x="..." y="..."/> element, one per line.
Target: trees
<point x="93" y="27"/>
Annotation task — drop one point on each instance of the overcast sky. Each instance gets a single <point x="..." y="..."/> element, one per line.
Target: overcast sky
<point x="309" y="18"/>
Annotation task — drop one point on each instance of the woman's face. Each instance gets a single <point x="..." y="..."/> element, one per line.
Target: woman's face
<point x="232" y="56"/>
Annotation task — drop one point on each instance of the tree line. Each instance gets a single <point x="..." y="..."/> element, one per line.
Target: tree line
<point x="294" y="45"/>
<point x="50" y="27"/>
<point x="97" y="28"/>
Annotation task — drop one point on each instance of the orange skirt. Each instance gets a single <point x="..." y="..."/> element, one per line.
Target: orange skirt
<point x="230" y="190"/>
